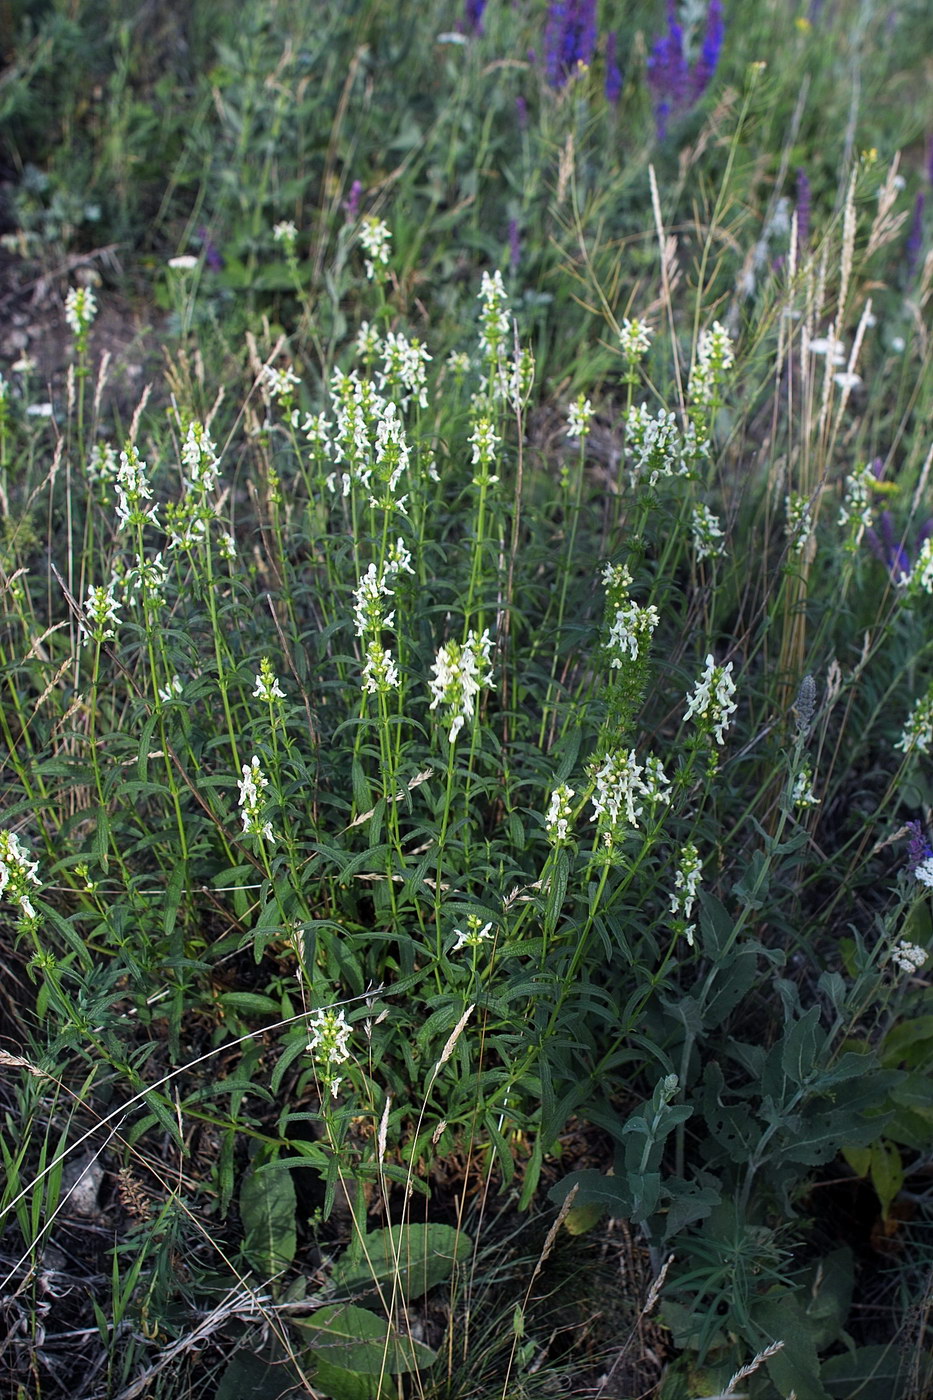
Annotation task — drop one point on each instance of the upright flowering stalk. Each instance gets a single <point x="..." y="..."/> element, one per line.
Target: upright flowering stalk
<point x="613" y="85"/>
<point x="494" y="332"/>
<point x="133" y="491"/>
<point x="569" y="39"/>
<point x="18" y="875"/>
<point x="329" y="1046"/>
<point x="631" y="626"/>
<point x="460" y="672"/>
<point x="620" y="782"/>
<point x="706" y="532"/>
<point x="674" y="83"/>
<point x="917" y="733"/>
<point x="376" y="240"/>
<point x="253" y="802"/>
<point x="101" y="611"/>
<point x="656" y="448"/>
<point x="714" y="359"/>
<point x="710" y="704"/>
<point x="683" y="896"/>
<point x="559" y="812"/>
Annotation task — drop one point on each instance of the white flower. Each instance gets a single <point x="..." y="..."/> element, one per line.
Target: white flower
<point x="848" y="381"/>
<point x="908" y="957"/>
<point x="199" y="458"/>
<point x="578" y="418"/>
<point x="484" y="441"/>
<point x="634" y="338"/>
<point x="17" y="872"/>
<point x="80" y="309"/>
<point x="267" y="686"/>
<point x="620" y="782"/>
<point x="715" y="357"/>
<point x="252" y="802"/>
<point x="279" y="382"/>
<point x="376" y="239"/>
<point x="133" y="489"/>
<point x="923" y="871"/>
<point x="285" y="232"/>
<point x="799" y="523"/>
<point x="474" y="936"/>
<point x="460" y="672"/>
<point x="558" y="814"/>
<point x="802" y="794"/>
<point x="829" y="346"/>
<point x="328" y="1044"/>
<point x="170" y="691"/>
<point x="380" y="673"/>
<point x="921" y="575"/>
<point x="631" y="632"/>
<point x="708" y="538"/>
<point x="711" y="700"/>
<point x="369" y="613"/>
<point x="687" y="878"/>
<point x="185" y="262"/>
<point x="918" y="731"/>
<point x="102" y="612"/>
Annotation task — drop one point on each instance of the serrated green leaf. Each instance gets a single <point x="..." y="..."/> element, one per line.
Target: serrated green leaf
<point x="336" y="1383"/>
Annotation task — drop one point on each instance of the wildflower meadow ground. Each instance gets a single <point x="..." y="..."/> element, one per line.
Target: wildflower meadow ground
<point x="467" y="701"/>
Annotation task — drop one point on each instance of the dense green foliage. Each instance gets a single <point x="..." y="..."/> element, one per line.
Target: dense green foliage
<point x="463" y="708"/>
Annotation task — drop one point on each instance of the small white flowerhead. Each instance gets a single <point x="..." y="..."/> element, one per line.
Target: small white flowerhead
<point x="286" y="232"/>
<point x="634" y="339"/>
<point x="376" y="239"/>
<point x="329" y="1044"/>
<point x="17" y="873"/>
<point x="80" y="310"/>
<point x="252" y="787"/>
<point x="559" y="812"/>
<point x="267" y="686"/>
<point x="711" y="703"/>
<point x="460" y="672"/>
<point x="908" y="957"/>
<point x="476" y="933"/>
<point x="185" y="262"/>
<point x="578" y="418"/>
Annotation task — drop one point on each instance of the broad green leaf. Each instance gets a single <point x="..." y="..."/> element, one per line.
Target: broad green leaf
<point x="267" y="1209"/>
<point x="873" y="1373"/>
<point x="420" y="1255"/>
<point x="336" y="1383"/>
<point x="355" y="1339"/>
<point x="798" y="1053"/>
<point x="248" y="1377"/>
<point x="796" y="1366"/>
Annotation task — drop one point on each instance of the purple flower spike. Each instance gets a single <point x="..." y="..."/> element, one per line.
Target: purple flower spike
<point x="473" y="16"/>
<point x="613" y="74"/>
<point x="351" y="205"/>
<point x="918" y="849"/>
<point x="569" y="38"/>
<point x="885" y="546"/>
<point x="213" y="258"/>
<point x="709" y="54"/>
<point x="915" y="236"/>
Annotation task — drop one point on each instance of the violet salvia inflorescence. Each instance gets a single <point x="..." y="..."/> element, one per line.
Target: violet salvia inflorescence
<point x="919" y="854"/>
<point x="613" y="86"/>
<point x="674" y="83"/>
<point x="569" y="39"/>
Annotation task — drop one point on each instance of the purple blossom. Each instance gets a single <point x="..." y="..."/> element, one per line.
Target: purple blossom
<point x="915" y="236"/>
<point x="674" y="85"/>
<point x="569" y="38"/>
<point x="804" y="206"/>
<point x="705" y="65"/>
<point x="351" y="205"/>
<point x="213" y="258"/>
<point x="918" y="849"/>
<point x="613" y="74"/>
<point x="473" y="16"/>
<point x="886" y="546"/>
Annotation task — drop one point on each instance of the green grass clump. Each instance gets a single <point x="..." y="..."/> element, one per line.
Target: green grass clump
<point x="467" y="723"/>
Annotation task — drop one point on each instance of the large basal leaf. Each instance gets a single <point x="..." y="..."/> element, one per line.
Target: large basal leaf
<point x="248" y="1377"/>
<point x="420" y="1255"/>
<point x="355" y="1339"/>
<point x="267" y="1209"/>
